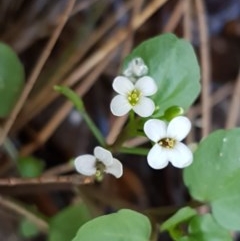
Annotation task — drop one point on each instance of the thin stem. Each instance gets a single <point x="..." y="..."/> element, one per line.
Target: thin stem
<point x="98" y="135"/>
<point x="131" y="117"/>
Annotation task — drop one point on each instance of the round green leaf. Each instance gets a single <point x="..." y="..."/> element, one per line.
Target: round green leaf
<point x="214" y="176"/>
<point x="124" y="225"/>
<point x="11" y="79"/>
<point x="173" y="65"/>
<point x="30" y="166"/>
<point x="64" y="225"/>
<point x="205" y="228"/>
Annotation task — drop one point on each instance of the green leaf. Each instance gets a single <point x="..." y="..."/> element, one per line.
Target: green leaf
<point x="205" y="228"/>
<point x="214" y="176"/>
<point x="28" y="229"/>
<point x="64" y="225"/>
<point x="181" y="216"/>
<point x="11" y="79"/>
<point x="30" y="166"/>
<point x="124" y="225"/>
<point x="173" y="65"/>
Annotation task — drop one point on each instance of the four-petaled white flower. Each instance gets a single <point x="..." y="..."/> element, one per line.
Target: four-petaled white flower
<point x="168" y="146"/>
<point x="133" y="96"/>
<point x="102" y="161"/>
<point x="135" y="69"/>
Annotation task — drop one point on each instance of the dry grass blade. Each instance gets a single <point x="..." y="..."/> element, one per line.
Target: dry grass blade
<point x="10" y="205"/>
<point x="40" y="100"/>
<point x="206" y="67"/>
<point x="233" y="113"/>
<point x="175" y="17"/>
<point x="46" y="180"/>
<point x="36" y="71"/>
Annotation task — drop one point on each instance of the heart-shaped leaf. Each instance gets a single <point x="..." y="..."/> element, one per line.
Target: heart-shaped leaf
<point x="173" y="65"/>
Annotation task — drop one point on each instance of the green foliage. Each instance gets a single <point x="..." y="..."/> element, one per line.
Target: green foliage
<point x="11" y="79"/>
<point x="124" y="225"/>
<point x="172" y="112"/>
<point x="28" y="229"/>
<point x="181" y="216"/>
<point x="71" y="95"/>
<point x="65" y="224"/>
<point x="78" y="103"/>
<point x="205" y="228"/>
<point x="173" y="65"/>
<point x="214" y="176"/>
<point x="30" y="166"/>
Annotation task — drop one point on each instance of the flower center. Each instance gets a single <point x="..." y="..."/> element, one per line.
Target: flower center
<point x="168" y="143"/>
<point x="100" y="168"/>
<point x="133" y="97"/>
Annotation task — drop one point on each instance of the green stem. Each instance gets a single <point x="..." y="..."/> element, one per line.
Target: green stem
<point x="78" y="102"/>
<point x="134" y="150"/>
<point x="98" y="135"/>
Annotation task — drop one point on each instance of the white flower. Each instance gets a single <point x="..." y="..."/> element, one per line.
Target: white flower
<point x="136" y="68"/>
<point x="168" y="146"/>
<point x="101" y="161"/>
<point x="133" y="96"/>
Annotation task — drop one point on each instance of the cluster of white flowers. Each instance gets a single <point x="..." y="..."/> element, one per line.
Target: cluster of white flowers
<point x="133" y="90"/>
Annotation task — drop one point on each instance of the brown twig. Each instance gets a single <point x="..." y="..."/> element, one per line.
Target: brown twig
<point x="219" y="95"/>
<point x="206" y="67"/>
<point x="234" y="106"/>
<point x="36" y="71"/>
<point x="40" y="223"/>
<point x="174" y="18"/>
<point x="40" y="100"/>
<point x="187" y="23"/>
<point x="59" y="169"/>
<point x="116" y="128"/>
<point x="45" y="180"/>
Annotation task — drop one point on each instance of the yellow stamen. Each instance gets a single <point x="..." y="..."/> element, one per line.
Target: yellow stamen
<point x="133" y="97"/>
<point x="167" y="143"/>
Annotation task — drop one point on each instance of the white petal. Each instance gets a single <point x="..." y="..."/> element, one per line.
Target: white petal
<point x="103" y="155"/>
<point x="122" y="85"/>
<point x="180" y="156"/>
<point x="145" y="107"/>
<point x="155" y="129"/>
<point x="157" y="157"/>
<point x="120" y="106"/>
<point x="85" y="165"/>
<point x="146" y="85"/>
<point x="178" y="128"/>
<point x="115" y="169"/>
